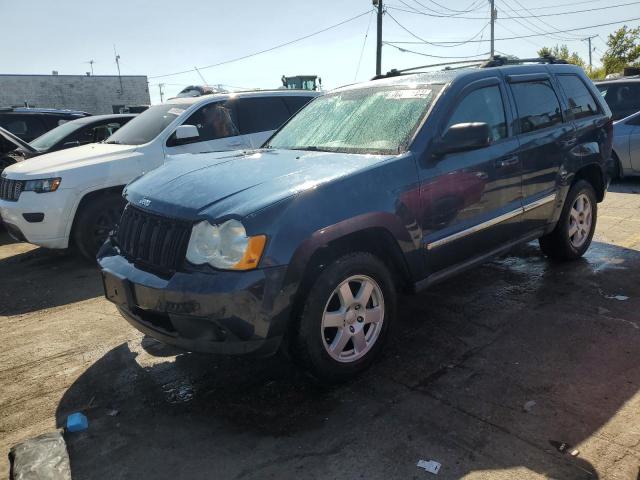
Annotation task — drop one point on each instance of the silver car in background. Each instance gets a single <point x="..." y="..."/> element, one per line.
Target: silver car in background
<point x="626" y="145"/>
<point x="623" y="97"/>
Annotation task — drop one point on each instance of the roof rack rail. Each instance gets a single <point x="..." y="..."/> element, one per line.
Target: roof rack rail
<point x="499" y="61"/>
<point x="408" y="71"/>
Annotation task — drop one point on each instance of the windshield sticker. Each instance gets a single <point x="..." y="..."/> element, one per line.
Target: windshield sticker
<point x="412" y="93"/>
<point x="176" y="111"/>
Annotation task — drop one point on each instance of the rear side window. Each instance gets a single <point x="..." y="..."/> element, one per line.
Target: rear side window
<point x="261" y="114"/>
<point x="483" y="105"/>
<point x="537" y="105"/>
<point x="213" y="121"/>
<point x="581" y="102"/>
<point x="296" y="103"/>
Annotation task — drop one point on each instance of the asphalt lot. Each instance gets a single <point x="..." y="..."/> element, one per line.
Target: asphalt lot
<point x="465" y="358"/>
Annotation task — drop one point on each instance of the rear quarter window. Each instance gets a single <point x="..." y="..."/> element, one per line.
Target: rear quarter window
<point x="261" y="114"/>
<point x="296" y="103"/>
<point x="581" y="102"/>
<point x="537" y="104"/>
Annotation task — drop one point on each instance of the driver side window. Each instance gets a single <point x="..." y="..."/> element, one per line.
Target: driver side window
<point x="213" y="121"/>
<point x="482" y="105"/>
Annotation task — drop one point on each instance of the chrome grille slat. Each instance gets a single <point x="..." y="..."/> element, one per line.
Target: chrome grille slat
<point x="10" y="190"/>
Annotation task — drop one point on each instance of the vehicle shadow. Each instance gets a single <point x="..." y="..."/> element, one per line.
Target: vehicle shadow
<point x="5" y="239"/>
<point x="41" y="278"/>
<point x="625" y="185"/>
<point x="484" y="372"/>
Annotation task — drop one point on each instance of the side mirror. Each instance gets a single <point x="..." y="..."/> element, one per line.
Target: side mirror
<point x="464" y="136"/>
<point x="186" y="132"/>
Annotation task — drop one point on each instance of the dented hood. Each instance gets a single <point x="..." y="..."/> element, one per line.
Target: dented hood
<point x="213" y="185"/>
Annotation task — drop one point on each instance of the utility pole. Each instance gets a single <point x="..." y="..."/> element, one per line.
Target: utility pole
<point x="160" y="86"/>
<point x="494" y="15"/>
<point x="588" y="39"/>
<point x="378" y="3"/>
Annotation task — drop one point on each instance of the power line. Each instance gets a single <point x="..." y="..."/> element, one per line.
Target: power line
<point x="543" y="22"/>
<point x="266" y="49"/>
<point x="534" y="28"/>
<point x="364" y="44"/>
<point x="435" y="44"/>
<point x="447" y="8"/>
<point x="532" y="35"/>
<point x="560" y="5"/>
<point x="531" y="15"/>
<point x="435" y="56"/>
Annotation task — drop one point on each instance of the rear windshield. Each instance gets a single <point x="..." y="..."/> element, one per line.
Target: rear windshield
<point x="378" y="120"/>
<point x="148" y="125"/>
<point x="623" y="98"/>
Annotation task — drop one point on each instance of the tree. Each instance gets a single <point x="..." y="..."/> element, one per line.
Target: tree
<point x="623" y="51"/>
<point x="561" y="52"/>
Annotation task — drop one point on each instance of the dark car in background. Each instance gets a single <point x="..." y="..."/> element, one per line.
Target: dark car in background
<point x="70" y="134"/>
<point x="30" y="123"/>
<point x="622" y="95"/>
<point x="394" y="184"/>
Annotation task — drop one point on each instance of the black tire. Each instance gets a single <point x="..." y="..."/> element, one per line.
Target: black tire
<point x="309" y="340"/>
<point x="557" y="245"/>
<point x="94" y="221"/>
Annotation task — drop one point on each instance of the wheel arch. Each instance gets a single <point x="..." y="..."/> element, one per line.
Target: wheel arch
<point x="85" y="199"/>
<point x="593" y="174"/>
<point x="618" y="164"/>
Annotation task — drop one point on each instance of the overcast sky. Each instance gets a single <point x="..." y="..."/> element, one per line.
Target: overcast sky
<point x="160" y="37"/>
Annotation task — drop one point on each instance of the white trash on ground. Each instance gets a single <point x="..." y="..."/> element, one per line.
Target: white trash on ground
<point x="430" y="466"/>
<point x="41" y="458"/>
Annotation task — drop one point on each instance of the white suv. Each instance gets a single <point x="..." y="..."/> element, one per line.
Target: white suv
<point x="73" y="197"/>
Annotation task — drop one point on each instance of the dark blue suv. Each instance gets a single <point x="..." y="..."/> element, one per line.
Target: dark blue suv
<point x="393" y="184"/>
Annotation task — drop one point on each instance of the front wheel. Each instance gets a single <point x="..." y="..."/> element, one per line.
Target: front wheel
<point x="573" y="233"/>
<point x="94" y="222"/>
<point x="346" y="317"/>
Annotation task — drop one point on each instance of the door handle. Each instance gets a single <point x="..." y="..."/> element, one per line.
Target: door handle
<point x="507" y="162"/>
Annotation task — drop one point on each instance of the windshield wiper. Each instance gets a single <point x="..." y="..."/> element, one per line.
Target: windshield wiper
<point x="113" y="142"/>
<point x="311" y="148"/>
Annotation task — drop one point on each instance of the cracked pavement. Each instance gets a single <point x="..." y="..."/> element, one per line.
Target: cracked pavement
<point x="464" y="359"/>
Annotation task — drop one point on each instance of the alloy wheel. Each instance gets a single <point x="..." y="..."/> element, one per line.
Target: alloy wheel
<point x="580" y="219"/>
<point x="353" y="318"/>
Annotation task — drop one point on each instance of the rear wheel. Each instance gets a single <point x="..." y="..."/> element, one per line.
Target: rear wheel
<point x="346" y="317"/>
<point x="573" y="233"/>
<point x="94" y="222"/>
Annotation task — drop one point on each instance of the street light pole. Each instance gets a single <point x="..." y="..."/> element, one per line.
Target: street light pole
<point x="493" y="21"/>
<point x="378" y="3"/>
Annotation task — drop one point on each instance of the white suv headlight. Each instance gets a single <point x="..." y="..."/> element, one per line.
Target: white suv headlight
<point x="224" y="246"/>
<point x="44" y="185"/>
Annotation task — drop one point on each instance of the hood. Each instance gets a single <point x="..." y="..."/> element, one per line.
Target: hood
<point x="71" y="158"/>
<point x="238" y="183"/>
<point x="18" y="142"/>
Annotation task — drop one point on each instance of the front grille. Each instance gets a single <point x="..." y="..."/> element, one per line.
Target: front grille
<point x="153" y="241"/>
<point x="10" y="189"/>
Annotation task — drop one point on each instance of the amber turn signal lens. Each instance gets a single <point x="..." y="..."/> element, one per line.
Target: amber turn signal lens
<point x="252" y="254"/>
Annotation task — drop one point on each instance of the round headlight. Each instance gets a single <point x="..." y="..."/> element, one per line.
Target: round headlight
<point x="203" y="244"/>
<point x="224" y="246"/>
<point x="233" y="244"/>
